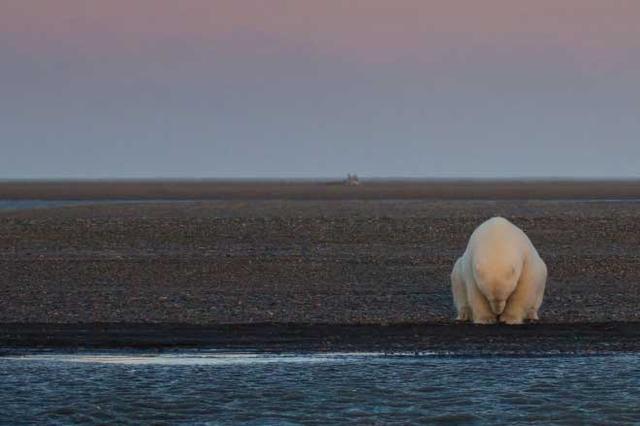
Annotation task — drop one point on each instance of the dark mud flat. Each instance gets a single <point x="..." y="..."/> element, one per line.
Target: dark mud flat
<point x="446" y="339"/>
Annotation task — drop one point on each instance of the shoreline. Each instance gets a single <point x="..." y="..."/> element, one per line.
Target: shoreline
<point x="452" y="339"/>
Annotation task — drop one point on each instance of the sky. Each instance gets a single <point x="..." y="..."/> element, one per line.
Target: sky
<point x="319" y="88"/>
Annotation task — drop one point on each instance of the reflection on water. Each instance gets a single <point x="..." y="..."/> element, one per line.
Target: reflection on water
<point x="198" y="358"/>
<point x="219" y="388"/>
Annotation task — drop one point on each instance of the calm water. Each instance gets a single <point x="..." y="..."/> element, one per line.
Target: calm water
<point x="215" y="388"/>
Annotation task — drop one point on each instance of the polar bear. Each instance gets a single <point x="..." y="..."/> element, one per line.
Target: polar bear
<point x="500" y="276"/>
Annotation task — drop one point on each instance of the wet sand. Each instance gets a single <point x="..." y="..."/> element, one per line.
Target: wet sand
<point x="431" y="338"/>
<point x="356" y="273"/>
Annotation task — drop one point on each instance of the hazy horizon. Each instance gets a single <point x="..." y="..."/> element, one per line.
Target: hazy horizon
<point x="226" y="89"/>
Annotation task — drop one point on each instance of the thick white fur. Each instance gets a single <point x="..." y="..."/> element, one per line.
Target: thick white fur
<point x="500" y="276"/>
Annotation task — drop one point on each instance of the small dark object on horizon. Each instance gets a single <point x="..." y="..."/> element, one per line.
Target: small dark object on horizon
<point x="352" y="180"/>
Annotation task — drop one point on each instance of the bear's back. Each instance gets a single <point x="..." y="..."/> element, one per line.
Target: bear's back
<point x="498" y="241"/>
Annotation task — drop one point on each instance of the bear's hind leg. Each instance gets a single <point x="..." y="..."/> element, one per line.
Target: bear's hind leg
<point x="537" y="277"/>
<point x="460" y="293"/>
<point x="464" y="314"/>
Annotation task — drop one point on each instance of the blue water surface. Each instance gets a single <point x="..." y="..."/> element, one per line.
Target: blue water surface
<point x="223" y="388"/>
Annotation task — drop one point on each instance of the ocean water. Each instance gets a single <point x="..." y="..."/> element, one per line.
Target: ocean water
<point x="288" y="389"/>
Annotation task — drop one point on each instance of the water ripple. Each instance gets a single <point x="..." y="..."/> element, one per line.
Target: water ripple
<point x="251" y="388"/>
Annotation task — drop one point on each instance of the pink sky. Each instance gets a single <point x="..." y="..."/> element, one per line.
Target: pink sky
<point x="319" y="87"/>
<point x="595" y="31"/>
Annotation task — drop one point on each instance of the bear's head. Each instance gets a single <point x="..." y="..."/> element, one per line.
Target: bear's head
<point x="497" y="281"/>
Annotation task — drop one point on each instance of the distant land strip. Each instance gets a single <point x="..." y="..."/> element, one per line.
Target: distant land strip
<point x="319" y="190"/>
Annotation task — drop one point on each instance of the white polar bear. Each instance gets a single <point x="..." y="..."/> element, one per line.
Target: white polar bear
<point x="500" y="276"/>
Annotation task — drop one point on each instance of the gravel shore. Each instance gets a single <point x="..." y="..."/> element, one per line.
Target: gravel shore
<point x="300" y="261"/>
<point x="375" y="262"/>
